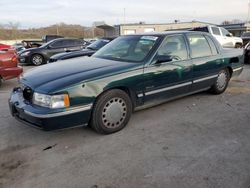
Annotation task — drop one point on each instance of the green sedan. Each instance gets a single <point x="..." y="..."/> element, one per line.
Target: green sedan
<point x="130" y="73"/>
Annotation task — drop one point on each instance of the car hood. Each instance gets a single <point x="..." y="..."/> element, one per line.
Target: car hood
<point x="29" y="50"/>
<point x="56" y="76"/>
<point x="66" y="55"/>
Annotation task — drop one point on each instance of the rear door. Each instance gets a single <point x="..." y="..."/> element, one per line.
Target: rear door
<point x="56" y="47"/>
<point x="206" y="60"/>
<point x="171" y="78"/>
<point x="73" y="44"/>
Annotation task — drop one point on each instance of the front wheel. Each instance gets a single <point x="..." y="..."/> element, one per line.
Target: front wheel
<point x="238" y="45"/>
<point x="221" y="82"/>
<point x="37" y="59"/>
<point x="111" y="112"/>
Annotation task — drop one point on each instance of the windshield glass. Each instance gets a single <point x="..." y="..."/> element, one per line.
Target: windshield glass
<point x="98" y="44"/>
<point x="46" y="44"/>
<point x="128" y="48"/>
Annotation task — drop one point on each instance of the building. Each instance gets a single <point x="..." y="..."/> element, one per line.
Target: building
<point x="125" y="29"/>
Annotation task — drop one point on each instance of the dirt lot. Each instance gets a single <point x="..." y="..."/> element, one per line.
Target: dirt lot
<point x="198" y="141"/>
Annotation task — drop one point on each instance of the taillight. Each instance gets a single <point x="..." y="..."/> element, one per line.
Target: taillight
<point x="14" y="59"/>
<point x="248" y="53"/>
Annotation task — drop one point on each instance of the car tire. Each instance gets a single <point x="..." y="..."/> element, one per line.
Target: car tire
<point x="221" y="82"/>
<point x="111" y="112"/>
<point x="238" y="45"/>
<point x="1" y="80"/>
<point x="37" y="59"/>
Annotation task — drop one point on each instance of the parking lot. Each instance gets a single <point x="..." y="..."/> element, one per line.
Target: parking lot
<point x="201" y="140"/>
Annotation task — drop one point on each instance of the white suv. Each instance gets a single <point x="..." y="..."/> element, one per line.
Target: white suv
<point x="225" y="38"/>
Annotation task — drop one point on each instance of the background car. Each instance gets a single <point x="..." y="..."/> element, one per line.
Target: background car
<point x="88" y="51"/>
<point x="40" y="55"/>
<point x="8" y="65"/>
<point x="247" y="53"/>
<point x="4" y="46"/>
<point x="226" y="39"/>
<point x="246" y="38"/>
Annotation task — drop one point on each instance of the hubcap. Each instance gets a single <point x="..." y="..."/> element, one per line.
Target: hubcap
<point x="221" y="80"/>
<point x="114" y="113"/>
<point x="37" y="60"/>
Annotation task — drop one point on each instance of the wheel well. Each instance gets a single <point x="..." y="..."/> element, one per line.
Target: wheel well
<point x="130" y="93"/>
<point x="230" y="71"/>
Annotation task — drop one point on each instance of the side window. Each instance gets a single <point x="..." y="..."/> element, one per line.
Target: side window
<point x="225" y="32"/>
<point x="212" y="45"/>
<point x="57" y="44"/>
<point x="174" y="47"/>
<point x="78" y="42"/>
<point x="215" y="30"/>
<point x="199" y="46"/>
<point x="68" y="42"/>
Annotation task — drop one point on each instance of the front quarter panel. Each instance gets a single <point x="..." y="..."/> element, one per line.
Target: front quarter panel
<point x="86" y="92"/>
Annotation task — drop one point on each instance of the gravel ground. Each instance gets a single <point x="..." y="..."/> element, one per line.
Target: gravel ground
<point x="198" y="141"/>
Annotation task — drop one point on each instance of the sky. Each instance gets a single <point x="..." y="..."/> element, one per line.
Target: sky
<point x="40" y="13"/>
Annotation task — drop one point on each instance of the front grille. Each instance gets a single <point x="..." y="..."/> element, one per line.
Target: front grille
<point x="27" y="93"/>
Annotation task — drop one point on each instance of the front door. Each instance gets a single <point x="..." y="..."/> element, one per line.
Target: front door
<point x="170" y="73"/>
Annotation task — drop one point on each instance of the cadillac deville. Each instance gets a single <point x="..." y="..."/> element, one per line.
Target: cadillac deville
<point x="130" y="73"/>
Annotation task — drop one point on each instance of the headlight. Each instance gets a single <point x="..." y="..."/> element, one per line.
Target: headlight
<point x="51" y="101"/>
<point x="25" y="53"/>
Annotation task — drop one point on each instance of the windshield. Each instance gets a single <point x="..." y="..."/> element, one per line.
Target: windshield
<point x="46" y="44"/>
<point x="98" y="44"/>
<point x="128" y="48"/>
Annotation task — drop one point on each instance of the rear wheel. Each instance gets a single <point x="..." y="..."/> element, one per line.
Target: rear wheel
<point x="1" y="80"/>
<point x="111" y="112"/>
<point x="37" y="59"/>
<point x="221" y="82"/>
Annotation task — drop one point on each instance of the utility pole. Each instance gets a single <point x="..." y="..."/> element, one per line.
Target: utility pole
<point x="248" y="13"/>
<point x="124" y="15"/>
<point x="247" y="24"/>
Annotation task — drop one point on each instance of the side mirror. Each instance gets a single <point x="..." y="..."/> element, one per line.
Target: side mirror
<point x="229" y="35"/>
<point x="163" y="58"/>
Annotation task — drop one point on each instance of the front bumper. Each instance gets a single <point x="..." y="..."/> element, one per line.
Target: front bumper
<point x="44" y="118"/>
<point x="24" y="60"/>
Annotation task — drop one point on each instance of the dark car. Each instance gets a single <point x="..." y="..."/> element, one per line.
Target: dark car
<point x="88" y="51"/>
<point x="246" y="38"/>
<point x="247" y="53"/>
<point x="41" y="55"/>
<point x="130" y="73"/>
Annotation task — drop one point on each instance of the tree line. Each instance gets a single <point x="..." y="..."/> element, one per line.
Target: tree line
<point x="11" y="31"/>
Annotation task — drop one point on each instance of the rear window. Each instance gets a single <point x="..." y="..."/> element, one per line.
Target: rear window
<point x="202" y="29"/>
